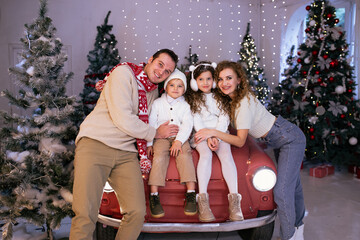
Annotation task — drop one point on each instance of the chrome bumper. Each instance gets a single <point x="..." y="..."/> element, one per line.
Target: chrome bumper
<point x="196" y="227"/>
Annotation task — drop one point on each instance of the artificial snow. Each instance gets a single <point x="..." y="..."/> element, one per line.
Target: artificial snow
<point x="66" y="195"/>
<point x="17" y="156"/>
<point x="27" y="231"/>
<point x="51" y="146"/>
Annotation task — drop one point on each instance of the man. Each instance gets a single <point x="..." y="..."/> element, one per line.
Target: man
<point x="105" y="145"/>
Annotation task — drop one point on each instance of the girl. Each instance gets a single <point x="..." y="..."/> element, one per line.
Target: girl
<point x="249" y="116"/>
<point x="207" y="114"/>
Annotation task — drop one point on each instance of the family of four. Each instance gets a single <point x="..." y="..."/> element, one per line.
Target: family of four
<point x="129" y="114"/>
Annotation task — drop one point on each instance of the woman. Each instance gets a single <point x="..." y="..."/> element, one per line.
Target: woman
<point x="250" y="117"/>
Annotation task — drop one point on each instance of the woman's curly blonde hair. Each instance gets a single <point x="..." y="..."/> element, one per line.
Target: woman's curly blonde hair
<point x="242" y="90"/>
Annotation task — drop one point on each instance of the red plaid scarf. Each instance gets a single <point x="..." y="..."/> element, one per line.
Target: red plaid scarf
<point x="144" y="85"/>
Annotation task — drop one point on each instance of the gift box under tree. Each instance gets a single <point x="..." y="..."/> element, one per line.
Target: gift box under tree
<point x="322" y="170"/>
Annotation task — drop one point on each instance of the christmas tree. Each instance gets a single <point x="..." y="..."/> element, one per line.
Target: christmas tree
<point x="191" y="58"/>
<point x="323" y="97"/>
<point x="102" y="59"/>
<point x="37" y="150"/>
<point x="250" y="61"/>
<point x="281" y="101"/>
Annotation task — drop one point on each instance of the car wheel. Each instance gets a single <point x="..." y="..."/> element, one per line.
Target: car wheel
<point x="264" y="232"/>
<point x="104" y="232"/>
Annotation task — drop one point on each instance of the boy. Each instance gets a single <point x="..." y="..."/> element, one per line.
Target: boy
<point x="172" y="106"/>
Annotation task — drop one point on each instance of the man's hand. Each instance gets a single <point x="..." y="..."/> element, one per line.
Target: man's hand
<point x="166" y="130"/>
<point x="150" y="151"/>
<point x="175" y="148"/>
<point x="213" y="143"/>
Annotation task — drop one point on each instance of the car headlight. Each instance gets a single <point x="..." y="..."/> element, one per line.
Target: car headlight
<point x="264" y="179"/>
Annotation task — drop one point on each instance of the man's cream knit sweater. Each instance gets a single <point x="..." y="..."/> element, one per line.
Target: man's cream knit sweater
<point x="114" y="120"/>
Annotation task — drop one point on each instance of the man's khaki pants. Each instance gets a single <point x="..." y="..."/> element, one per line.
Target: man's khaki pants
<point x="95" y="163"/>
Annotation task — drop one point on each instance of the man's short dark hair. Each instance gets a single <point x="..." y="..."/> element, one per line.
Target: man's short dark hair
<point x="171" y="53"/>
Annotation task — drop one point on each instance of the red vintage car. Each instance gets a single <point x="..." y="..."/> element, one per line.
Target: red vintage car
<point x="256" y="177"/>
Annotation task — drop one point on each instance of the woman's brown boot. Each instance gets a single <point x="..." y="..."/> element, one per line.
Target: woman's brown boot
<point x="234" y="207"/>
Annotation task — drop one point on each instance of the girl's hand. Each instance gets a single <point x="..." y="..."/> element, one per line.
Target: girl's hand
<point x="213" y="143"/>
<point x="150" y="151"/>
<point x="175" y="148"/>
<point x="203" y="134"/>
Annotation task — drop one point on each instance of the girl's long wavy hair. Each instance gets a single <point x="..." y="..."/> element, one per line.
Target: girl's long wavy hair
<point x="197" y="99"/>
<point x="242" y="90"/>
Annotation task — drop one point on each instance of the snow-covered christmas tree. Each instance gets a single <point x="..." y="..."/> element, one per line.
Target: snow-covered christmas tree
<point x="323" y="97"/>
<point x="250" y="61"/>
<point x="102" y="59"/>
<point x="37" y="150"/>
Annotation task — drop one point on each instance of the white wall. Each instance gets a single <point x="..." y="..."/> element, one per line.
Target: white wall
<point x="214" y="28"/>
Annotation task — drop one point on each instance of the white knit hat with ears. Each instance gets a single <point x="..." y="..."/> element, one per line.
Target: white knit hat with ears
<point x="193" y="83"/>
<point x="176" y="74"/>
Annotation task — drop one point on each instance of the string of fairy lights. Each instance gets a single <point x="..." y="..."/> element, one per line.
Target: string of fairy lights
<point x="214" y="29"/>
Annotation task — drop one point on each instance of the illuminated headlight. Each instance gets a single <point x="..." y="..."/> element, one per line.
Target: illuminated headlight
<point x="108" y="188"/>
<point x="264" y="179"/>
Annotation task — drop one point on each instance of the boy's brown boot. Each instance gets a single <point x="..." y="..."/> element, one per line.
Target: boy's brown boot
<point x="205" y="213"/>
<point x="190" y="204"/>
<point x="156" y="209"/>
<point x="234" y="207"/>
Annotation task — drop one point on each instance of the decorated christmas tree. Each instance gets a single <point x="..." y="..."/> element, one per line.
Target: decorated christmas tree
<point x="102" y="59"/>
<point x="250" y="61"/>
<point x="281" y="101"/>
<point x="37" y="149"/>
<point x="323" y="97"/>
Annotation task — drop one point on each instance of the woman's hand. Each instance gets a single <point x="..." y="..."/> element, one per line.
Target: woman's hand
<point x="203" y="134"/>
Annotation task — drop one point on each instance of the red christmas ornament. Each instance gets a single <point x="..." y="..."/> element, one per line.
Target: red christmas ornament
<point x="332" y="64"/>
<point x="299" y="53"/>
<point x="304" y="72"/>
<point x="325" y="56"/>
<point x="349" y="90"/>
<point x="311" y="130"/>
<point x="336" y="20"/>
<point x="312" y="137"/>
<point x="307" y="30"/>
<point x="299" y="60"/>
<point x="319" y="80"/>
<point x="342" y="115"/>
<point x="329" y="15"/>
<point x="351" y="82"/>
<point x="331" y="79"/>
<point x="308" y="8"/>
<point x="314" y="52"/>
<point x="317" y="72"/>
